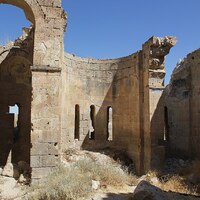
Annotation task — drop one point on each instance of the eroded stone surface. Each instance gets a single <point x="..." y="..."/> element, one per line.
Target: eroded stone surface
<point x="182" y="104"/>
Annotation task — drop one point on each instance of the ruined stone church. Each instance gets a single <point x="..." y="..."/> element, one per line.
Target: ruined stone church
<point x="67" y="102"/>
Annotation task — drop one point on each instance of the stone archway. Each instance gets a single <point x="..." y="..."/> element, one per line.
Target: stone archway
<point x="16" y="60"/>
<point x="24" y="5"/>
<point x="15" y="88"/>
<point x="45" y="65"/>
<point x="49" y="20"/>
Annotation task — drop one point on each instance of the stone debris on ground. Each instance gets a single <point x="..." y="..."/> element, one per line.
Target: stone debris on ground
<point x="146" y="191"/>
<point x="8" y="170"/>
<point x="13" y="189"/>
<point x="10" y="189"/>
<point x="95" y="185"/>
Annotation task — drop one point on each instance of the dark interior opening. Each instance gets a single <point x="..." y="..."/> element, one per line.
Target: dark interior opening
<point x="77" y="122"/>
<point x="15" y="101"/>
<point x="16" y="111"/>
<point x="92" y="123"/>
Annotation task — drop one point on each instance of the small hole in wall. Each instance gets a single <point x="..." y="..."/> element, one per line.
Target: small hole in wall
<point x="192" y="57"/>
<point x="55" y="144"/>
<point x="109" y="123"/>
<point x="77" y="122"/>
<point x="92" y="123"/>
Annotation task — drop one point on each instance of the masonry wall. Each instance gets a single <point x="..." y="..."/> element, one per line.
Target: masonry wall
<point x="182" y="101"/>
<point x="102" y="84"/>
<point x="132" y="86"/>
<point x="82" y="103"/>
<point x="194" y="59"/>
<point x="155" y="51"/>
<point x="49" y="22"/>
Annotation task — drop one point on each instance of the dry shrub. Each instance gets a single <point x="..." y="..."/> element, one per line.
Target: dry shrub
<point x="153" y="174"/>
<point x="176" y="184"/>
<point x="63" y="183"/>
<point x="168" y="182"/>
<point x="104" y="172"/>
<point x="70" y="152"/>
<point x="74" y="181"/>
<point x="192" y="175"/>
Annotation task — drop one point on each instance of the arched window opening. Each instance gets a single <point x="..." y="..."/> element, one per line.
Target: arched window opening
<point x="166" y="128"/>
<point x="13" y="25"/>
<point x="92" y="123"/>
<point x="77" y="122"/>
<point x="109" y="123"/>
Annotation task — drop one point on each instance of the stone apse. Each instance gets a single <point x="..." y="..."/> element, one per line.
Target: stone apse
<point x="67" y="102"/>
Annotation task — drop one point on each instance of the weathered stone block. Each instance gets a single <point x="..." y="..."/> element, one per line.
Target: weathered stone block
<point x="53" y="149"/>
<point x="39" y="149"/>
<point x="35" y="161"/>
<point x="41" y="172"/>
<point x="49" y="160"/>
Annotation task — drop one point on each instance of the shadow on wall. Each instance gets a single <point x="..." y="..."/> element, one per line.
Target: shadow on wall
<point x="159" y="130"/>
<point x="113" y="124"/>
<point x="16" y="89"/>
<point x="164" y="144"/>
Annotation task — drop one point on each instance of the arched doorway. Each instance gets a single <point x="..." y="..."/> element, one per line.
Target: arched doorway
<point x="16" y="59"/>
<point x="30" y="77"/>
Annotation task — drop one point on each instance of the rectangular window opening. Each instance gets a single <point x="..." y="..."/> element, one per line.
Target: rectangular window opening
<point x="92" y="123"/>
<point x="109" y="123"/>
<point x="77" y="123"/>
<point x="15" y="110"/>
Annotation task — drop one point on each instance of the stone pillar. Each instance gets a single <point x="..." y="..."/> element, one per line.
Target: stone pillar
<point x="46" y="87"/>
<point x="154" y="52"/>
<point x="144" y="112"/>
<point x="46" y="125"/>
<point x="46" y="57"/>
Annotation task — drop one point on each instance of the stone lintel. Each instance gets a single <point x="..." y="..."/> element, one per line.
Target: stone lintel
<point x="159" y="88"/>
<point x="45" y="68"/>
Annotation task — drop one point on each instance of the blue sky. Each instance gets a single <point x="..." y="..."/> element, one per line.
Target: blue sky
<point x="116" y="28"/>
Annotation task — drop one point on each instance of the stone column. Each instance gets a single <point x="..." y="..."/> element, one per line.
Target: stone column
<point x="46" y="87"/>
<point x="154" y="52"/>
